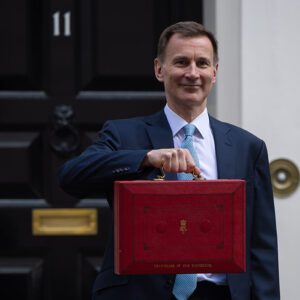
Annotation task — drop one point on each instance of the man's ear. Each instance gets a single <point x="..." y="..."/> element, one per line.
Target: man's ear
<point x="158" y="70"/>
<point x="215" y="73"/>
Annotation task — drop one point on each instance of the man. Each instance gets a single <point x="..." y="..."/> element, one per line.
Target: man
<point x="187" y="64"/>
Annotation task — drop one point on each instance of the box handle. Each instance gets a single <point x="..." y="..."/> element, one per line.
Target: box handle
<point x="162" y="175"/>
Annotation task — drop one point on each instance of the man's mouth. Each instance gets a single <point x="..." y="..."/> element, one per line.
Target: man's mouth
<point x="191" y="85"/>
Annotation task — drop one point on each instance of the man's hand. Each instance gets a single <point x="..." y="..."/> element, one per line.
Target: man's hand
<point x="175" y="160"/>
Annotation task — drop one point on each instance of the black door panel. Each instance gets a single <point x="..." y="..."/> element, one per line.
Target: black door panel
<point x="65" y="68"/>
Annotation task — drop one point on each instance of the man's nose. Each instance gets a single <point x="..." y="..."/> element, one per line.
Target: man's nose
<point x="192" y="71"/>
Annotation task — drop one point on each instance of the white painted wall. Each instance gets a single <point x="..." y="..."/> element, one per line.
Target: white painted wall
<point x="258" y="88"/>
<point x="223" y="19"/>
<point x="270" y="44"/>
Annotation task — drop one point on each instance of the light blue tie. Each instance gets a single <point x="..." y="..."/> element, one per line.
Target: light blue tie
<point x="185" y="284"/>
<point x="187" y="143"/>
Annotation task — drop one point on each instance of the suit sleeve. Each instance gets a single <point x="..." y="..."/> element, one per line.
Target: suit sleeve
<point x="264" y="252"/>
<point x="100" y="164"/>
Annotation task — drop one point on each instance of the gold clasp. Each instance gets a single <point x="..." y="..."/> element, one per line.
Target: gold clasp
<point x="162" y="175"/>
<point x="197" y="177"/>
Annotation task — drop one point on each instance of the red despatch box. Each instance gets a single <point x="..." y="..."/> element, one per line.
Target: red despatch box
<point x="179" y="226"/>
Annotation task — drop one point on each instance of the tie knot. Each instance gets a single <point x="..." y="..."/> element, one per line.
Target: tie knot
<point x="189" y="129"/>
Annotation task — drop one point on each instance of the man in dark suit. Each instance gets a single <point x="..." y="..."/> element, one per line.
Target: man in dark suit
<point x="136" y="148"/>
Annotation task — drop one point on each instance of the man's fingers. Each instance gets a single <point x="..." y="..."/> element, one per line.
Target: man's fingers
<point x="182" y="163"/>
<point x="190" y="164"/>
<point x="196" y="171"/>
<point x="171" y="160"/>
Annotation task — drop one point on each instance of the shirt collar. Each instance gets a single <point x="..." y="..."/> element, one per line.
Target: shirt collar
<point x="177" y="123"/>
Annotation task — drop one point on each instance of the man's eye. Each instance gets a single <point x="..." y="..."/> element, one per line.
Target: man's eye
<point x="181" y="62"/>
<point x="203" y="63"/>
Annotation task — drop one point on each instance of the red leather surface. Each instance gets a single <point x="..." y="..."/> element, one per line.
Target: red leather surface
<point x="179" y="226"/>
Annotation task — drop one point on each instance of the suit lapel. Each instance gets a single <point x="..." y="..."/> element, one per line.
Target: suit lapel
<point x="159" y="131"/>
<point x="160" y="135"/>
<point x="225" y="150"/>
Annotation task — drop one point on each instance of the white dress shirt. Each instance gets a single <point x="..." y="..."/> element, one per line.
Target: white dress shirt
<point x="204" y="145"/>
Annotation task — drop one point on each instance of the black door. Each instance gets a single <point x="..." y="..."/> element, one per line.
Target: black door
<point x="66" y="67"/>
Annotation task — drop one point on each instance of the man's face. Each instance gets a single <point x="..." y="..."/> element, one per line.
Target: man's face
<point x="187" y="71"/>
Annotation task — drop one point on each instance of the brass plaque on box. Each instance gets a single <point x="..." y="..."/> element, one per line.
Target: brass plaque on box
<point x="64" y="221"/>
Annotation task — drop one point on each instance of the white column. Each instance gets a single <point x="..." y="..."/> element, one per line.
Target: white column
<point x="223" y="19"/>
<point x="271" y="108"/>
<point x="258" y="89"/>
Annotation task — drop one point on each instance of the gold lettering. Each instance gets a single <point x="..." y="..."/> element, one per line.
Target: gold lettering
<point x="201" y="265"/>
<point x="164" y="266"/>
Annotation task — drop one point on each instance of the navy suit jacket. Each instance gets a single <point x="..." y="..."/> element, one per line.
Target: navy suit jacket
<point x="118" y="154"/>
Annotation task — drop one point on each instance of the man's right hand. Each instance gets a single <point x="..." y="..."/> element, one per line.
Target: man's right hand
<point x="175" y="160"/>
